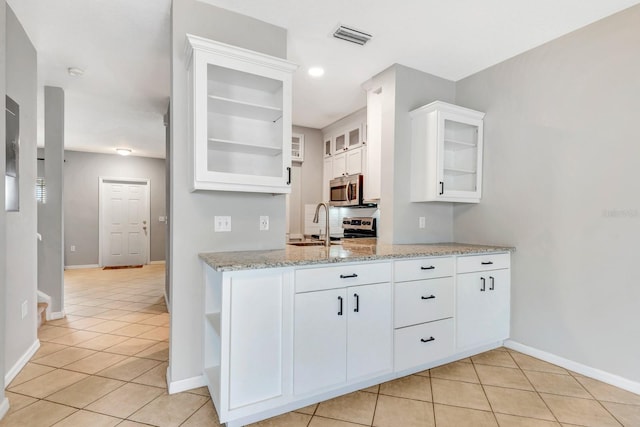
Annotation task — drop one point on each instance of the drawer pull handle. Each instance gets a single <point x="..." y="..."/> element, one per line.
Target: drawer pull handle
<point x="348" y="276"/>
<point x="431" y="267"/>
<point x="429" y="297"/>
<point x="487" y="263"/>
<point x="340" y="312"/>
<point x="428" y="339"/>
<point x="493" y="283"/>
<point x="357" y="308"/>
<point x="482" y="289"/>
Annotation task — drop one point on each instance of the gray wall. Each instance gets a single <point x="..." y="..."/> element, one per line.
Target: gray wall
<point x="81" y="205"/>
<point x="561" y="183"/>
<point x="51" y="213"/>
<point x="21" y="258"/>
<point x="192" y="213"/>
<point x="3" y="241"/>
<point x="307" y="178"/>
<point x="404" y="89"/>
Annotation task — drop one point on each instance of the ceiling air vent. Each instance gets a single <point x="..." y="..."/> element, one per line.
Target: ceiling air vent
<point x="352" y="35"/>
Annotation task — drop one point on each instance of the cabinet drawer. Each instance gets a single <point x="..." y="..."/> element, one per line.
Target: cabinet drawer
<point x="422" y="268"/>
<point x="420" y="344"/>
<point x="483" y="262"/>
<point x="317" y="279"/>
<point x="423" y="301"/>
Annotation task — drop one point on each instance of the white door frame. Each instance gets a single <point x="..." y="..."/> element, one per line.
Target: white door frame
<point x="102" y="180"/>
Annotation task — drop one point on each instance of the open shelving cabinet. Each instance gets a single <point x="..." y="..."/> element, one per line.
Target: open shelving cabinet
<point x="239" y="118"/>
<point x="446" y="150"/>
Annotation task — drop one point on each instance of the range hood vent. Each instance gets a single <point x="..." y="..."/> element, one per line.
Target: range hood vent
<point x="352" y="35"/>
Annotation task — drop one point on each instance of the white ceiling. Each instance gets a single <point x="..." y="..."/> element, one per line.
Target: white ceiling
<point x="124" y="47"/>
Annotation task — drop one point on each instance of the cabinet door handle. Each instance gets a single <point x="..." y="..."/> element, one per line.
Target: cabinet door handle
<point x="486" y="263"/>
<point x="429" y="297"/>
<point x="348" y="276"/>
<point x="289" y="172"/>
<point x="493" y="282"/>
<point x="482" y="289"/>
<point x="441" y="188"/>
<point x="431" y="267"/>
<point x="340" y="312"/>
<point x="428" y="339"/>
<point x="357" y="309"/>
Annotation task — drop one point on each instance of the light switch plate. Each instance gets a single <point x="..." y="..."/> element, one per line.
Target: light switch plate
<point x="264" y="223"/>
<point x="422" y="222"/>
<point x="222" y="223"/>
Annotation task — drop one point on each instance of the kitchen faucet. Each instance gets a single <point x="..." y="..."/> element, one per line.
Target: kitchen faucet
<point x="327" y="240"/>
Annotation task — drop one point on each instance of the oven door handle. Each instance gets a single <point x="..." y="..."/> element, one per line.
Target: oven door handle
<point x="348" y="192"/>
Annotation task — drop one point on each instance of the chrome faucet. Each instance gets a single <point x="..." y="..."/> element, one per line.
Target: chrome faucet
<point x="316" y="219"/>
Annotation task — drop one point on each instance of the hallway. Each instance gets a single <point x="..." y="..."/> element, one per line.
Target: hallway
<point x="105" y="364"/>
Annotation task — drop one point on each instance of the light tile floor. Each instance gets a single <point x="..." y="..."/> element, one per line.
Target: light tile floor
<point x="105" y="365"/>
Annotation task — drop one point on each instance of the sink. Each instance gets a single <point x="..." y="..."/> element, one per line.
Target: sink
<point x="311" y="243"/>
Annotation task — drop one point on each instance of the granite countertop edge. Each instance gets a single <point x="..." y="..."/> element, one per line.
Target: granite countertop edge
<point x="295" y="256"/>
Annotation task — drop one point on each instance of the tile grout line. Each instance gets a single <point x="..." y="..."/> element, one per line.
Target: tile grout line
<point x="484" y="391"/>
<point x="535" y="389"/>
<point x="596" y="399"/>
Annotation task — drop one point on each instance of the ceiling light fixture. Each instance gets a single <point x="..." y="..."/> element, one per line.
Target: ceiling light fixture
<point x="316" y="71"/>
<point x="123" y="151"/>
<point x="352" y="35"/>
<point x="75" y="71"/>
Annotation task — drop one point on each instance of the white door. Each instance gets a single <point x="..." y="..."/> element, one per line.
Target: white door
<point x="320" y="340"/>
<point x="369" y="330"/>
<point x="125" y="223"/>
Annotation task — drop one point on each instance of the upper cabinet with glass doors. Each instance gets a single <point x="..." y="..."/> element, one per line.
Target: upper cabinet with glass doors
<point x="240" y="118"/>
<point x="446" y="153"/>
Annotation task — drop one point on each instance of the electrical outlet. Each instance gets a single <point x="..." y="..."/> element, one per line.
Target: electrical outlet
<point x="25" y="309"/>
<point x="264" y="223"/>
<point x="222" y="223"/>
<point x="422" y="222"/>
<point x="162" y="219"/>
<point x="73" y="248"/>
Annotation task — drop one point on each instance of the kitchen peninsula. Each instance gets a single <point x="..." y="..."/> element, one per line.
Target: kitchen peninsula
<point x="289" y="327"/>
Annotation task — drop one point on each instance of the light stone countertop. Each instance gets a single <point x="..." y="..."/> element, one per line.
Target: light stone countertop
<point x="348" y="251"/>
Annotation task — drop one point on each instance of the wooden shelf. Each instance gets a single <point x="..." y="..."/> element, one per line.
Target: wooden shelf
<point x="242" y="147"/>
<point x="233" y="107"/>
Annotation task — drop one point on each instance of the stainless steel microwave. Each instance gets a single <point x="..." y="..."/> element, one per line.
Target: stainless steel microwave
<point x="346" y="191"/>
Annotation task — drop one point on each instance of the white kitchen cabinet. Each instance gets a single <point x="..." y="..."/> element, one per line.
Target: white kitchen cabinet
<point x="343" y="325"/>
<point x="239" y="118"/>
<point x="328" y="146"/>
<point x="320" y="348"/>
<point x="247" y="338"/>
<point x="483" y="300"/>
<point x="297" y="147"/>
<point x="446" y="153"/>
<point x="347" y="163"/>
<point x="423" y="311"/>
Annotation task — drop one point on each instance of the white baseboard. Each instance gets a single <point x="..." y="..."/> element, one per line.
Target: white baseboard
<point x="184" y="385"/>
<point x="157" y="262"/>
<point x="15" y="369"/>
<point x="587" y="371"/>
<point x="78" y="267"/>
<point x="55" y="315"/>
<point x="4" y="407"/>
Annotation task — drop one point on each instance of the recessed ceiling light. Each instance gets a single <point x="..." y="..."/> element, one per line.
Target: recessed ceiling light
<point x="316" y="71"/>
<point x="75" y="71"/>
<point x="123" y="151"/>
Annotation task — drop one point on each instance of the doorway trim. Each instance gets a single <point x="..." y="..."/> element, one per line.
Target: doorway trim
<point x="102" y="180"/>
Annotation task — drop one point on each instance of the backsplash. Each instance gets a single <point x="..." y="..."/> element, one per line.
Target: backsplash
<point x="335" y="218"/>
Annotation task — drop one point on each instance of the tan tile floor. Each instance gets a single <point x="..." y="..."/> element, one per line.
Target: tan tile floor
<point x="105" y="365"/>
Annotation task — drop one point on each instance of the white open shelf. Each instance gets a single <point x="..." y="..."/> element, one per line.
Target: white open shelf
<point x="234" y="107"/>
<point x="214" y="321"/>
<point x="457" y="171"/>
<point x="459" y="145"/>
<point x="243" y="147"/>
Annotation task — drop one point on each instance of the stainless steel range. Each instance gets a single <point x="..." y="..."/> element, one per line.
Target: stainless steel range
<point x="359" y="227"/>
